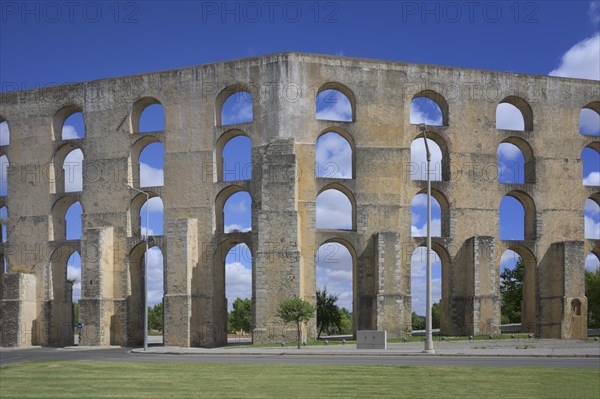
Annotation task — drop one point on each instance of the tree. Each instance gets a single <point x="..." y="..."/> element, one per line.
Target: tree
<point x="240" y="318"/>
<point x="329" y="317"/>
<point x="418" y="322"/>
<point x="592" y="292"/>
<point x="435" y="315"/>
<point x="511" y="290"/>
<point x="345" y="321"/>
<point x="295" y="310"/>
<point x="155" y="317"/>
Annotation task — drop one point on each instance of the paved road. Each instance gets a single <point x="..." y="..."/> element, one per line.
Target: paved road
<point x="9" y="357"/>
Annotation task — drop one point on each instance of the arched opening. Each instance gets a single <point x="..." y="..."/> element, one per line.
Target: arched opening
<point x="4" y="165"/>
<point x="511" y="164"/>
<point x="154" y="225"/>
<point x="592" y="287"/>
<point x="418" y="288"/>
<point x="73" y="127"/>
<point x="73" y="171"/>
<point x="73" y="221"/>
<point x="418" y="226"/>
<point x="589" y="119"/>
<point x="334" y="156"/>
<point x="335" y="289"/>
<point x="514" y="113"/>
<point x="517" y="289"/>
<point x="237" y="213"/>
<point x="335" y="209"/>
<point x="430" y="108"/>
<point x="65" y="292"/>
<point x="147" y="115"/>
<point x="4" y="132"/>
<point x="591" y="217"/>
<point x="238" y="294"/>
<point x="152" y="165"/>
<point x="236" y="159"/>
<point x="136" y="295"/>
<point x="439" y="167"/>
<point x="517" y="217"/>
<point x="237" y="108"/>
<point x="590" y="159"/>
<point x="3" y="221"/>
<point x="335" y="102"/>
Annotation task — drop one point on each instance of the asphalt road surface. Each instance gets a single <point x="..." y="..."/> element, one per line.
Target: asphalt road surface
<point x="8" y="357"/>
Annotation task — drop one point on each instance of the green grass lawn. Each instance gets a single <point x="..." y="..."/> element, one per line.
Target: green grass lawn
<point x="201" y="380"/>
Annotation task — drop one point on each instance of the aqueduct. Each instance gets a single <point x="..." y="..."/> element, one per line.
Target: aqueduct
<point x="284" y="239"/>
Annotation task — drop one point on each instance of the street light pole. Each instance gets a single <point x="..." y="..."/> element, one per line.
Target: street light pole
<point x="428" y="334"/>
<point x="145" y="267"/>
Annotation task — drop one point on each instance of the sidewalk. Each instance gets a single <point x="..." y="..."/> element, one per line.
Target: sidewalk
<point x="507" y="347"/>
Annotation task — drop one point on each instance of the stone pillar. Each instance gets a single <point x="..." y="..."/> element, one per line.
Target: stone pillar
<point x="277" y="259"/>
<point x="182" y="236"/>
<point x="18" y="310"/>
<point x="473" y="304"/>
<point x="391" y="301"/>
<point x="562" y="305"/>
<point x="96" y="303"/>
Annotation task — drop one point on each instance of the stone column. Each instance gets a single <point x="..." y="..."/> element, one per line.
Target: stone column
<point x="18" y="310"/>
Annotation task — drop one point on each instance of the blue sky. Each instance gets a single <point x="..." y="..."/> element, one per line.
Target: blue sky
<point x="47" y="43"/>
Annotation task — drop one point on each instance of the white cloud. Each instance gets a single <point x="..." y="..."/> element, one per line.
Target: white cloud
<point x="508" y="259"/>
<point x="155" y="276"/>
<point x="591" y="262"/>
<point x="418" y="264"/>
<point x="70" y="132"/>
<point x="421" y="200"/>
<point x="237" y="109"/>
<point x="238" y="282"/>
<point x="591" y="227"/>
<point x="436" y="229"/>
<point x="150" y="176"/>
<point x="334" y="271"/>
<point x="334" y="210"/>
<point x="591" y="208"/>
<point x="237" y="206"/>
<point x="333" y="156"/>
<point x="594" y="12"/>
<point x="581" y="61"/>
<point x="418" y="116"/>
<point x="73" y="171"/>
<point x="4" y="133"/>
<point x="155" y="204"/>
<point x="418" y="159"/>
<point x="74" y="273"/>
<point x="509" y="151"/>
<point x="332" y="105"/>
<point x="589" y="122"/>
<point x="150" y="231"/>
<point x="593" y="179"/>
<point x="509" y="117"/>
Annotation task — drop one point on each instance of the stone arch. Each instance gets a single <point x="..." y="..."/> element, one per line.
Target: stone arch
<point x="134" y="157"/>
<point x="528" y="160"/>
<point x="61" y="298"/>
<point x="221" y="301"/>
<point x="523" y="107"/>
<point x="530" y="215"/>
<point x="352" y="148"/>
<point x="134" y="221"/>
<point x="421" y="170"/>
<point x="220" y="200"/>
<point x="345" y="91"/>
<point x="138" y="109"/>
<point x="530" y="296"/>
<point x="4" y="132"/>
<point x="438" y="99"/>
<point x="57" y="174"/>
<point x="135" y="294"/>
<point x="589" y="119"/>
<point x="348" y="194"/>
<point x="226" y="93"/>
<point x="590" y="164"/>
<point x="58" y="226"/>
<point x="444" y="207"/>
<point x="245" y="171"/>
<point x="331" y="257"/>
<point x="60" y="118"/>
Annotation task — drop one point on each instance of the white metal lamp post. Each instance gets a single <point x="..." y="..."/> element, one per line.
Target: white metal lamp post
<point x="428" y="334"/>
<point x="145" y="267"/>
